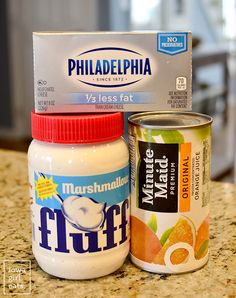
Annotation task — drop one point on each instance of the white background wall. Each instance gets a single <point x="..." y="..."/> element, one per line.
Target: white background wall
<point x="203" y="17"/>
<point x="24" y="17"/>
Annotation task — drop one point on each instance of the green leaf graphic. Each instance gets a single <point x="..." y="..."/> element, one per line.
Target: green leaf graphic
<point x="155" y="133"/>
<point x="172" y="137"/>
<point x="147" y="134"/>
<point x="166" y="235"/>
<point x="203" y="248"/>
<point x="152" y="223"/>
<point x="137" y="147"/>
<point x="139" y="132"/>
<point x="203" y="132"/>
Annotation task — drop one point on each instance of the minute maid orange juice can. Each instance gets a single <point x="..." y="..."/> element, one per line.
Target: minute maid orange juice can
<point x="170" y="190"/>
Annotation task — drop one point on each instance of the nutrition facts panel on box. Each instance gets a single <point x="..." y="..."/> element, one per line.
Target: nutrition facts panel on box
<point x="181" y="83"/>
<point x="178" y="99"/>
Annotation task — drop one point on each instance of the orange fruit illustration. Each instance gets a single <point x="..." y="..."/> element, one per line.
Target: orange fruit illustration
<point x="201" y="246"/>
<point x="144" y="242"/>
<point x="183" y="231"/>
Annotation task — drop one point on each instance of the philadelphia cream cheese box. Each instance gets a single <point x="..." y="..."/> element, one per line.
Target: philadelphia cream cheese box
<point x="112" y="71"/>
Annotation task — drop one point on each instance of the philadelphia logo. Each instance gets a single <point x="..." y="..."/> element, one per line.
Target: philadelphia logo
<point x="109" y="67"/>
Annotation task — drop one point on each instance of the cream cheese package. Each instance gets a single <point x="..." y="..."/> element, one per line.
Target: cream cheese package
<point x="112" y="71"/>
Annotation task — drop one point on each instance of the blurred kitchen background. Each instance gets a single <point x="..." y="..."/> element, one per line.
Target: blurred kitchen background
<point x="212" y="22"/>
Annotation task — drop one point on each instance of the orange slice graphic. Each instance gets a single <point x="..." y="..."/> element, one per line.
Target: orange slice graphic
<point x="144" y="242"/>
<point x="183" y="231"/>
<point x="202" y="239"/>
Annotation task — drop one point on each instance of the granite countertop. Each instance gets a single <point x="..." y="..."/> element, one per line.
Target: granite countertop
<point x="216" y="279"/>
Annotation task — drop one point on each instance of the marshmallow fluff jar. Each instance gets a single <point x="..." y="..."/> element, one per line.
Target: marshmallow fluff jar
<point x="79" y="189"/>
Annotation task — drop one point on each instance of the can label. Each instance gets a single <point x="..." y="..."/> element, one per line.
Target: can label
<point x="80" y="215"/>
<point x="170" y="175"/>
<point x="158" y="173"/>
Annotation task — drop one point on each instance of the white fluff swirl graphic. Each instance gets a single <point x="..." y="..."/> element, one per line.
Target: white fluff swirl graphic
<point x="84" y="213"/>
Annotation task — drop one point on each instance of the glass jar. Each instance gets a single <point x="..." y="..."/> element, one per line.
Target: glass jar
<point x="79" y="185"/>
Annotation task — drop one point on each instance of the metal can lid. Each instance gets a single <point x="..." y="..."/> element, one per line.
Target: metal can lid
<point x="169" y="120"/>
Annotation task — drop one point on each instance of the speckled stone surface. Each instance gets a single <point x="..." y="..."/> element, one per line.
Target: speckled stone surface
<point x="216" y="279"/>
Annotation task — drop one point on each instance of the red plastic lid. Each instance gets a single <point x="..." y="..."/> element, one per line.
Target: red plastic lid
<point x="77" y="128"/>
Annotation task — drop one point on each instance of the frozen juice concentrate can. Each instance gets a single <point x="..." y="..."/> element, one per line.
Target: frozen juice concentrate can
<point x="170" y="156"/>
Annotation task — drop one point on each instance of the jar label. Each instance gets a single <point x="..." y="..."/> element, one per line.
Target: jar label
<point x="80" y="214"/>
